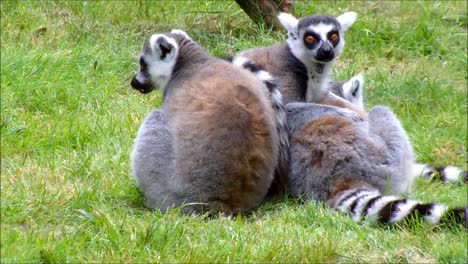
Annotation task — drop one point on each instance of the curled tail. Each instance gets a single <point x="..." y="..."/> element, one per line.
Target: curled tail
<point x="362" y="203"/>
<point x="440" y="173"/>
<point x="276" y="99"/>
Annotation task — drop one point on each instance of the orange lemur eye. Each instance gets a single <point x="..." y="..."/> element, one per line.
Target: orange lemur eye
<point x="310" y="39"/>
<point x="334" y="37"/>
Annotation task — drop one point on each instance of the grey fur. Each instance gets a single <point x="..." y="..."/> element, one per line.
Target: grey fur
<point x="153" y="161"/>
<point x="379" y="155"/>
<point x="350" y="163"/>
<point x="213" y="146"/>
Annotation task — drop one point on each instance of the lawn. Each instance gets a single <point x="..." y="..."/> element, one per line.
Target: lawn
<point x="69" y="117"/>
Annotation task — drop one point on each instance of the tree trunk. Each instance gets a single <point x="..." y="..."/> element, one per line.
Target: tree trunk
<point x="265" y="11"/>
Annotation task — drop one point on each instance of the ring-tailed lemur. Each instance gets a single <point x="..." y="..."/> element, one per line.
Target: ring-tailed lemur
<point x="302" y="68"/>
<point x="303" y="74"/>
<point x="350" y="164"/>
<point x="214" y="144"/>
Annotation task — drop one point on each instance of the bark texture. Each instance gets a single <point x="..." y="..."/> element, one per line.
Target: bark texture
<point x="266" y="11"/>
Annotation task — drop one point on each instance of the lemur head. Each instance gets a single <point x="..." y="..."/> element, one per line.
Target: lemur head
<point x="316" y="38"/>
<point x="157" y="60"/>
<point x="352" y="90"/>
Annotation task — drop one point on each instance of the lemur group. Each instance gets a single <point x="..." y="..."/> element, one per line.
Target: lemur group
<point x="231" y="134"/>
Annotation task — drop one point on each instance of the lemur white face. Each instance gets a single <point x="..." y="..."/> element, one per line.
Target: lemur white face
<point x="157" y="60"/>
<point x="316" y="38"/>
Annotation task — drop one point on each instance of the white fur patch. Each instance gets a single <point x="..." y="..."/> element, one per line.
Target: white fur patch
<point x="419" y="169"/>
<point x="264" y="75"/>
<point x="289" y="22"/>
<point x="373" y="211"/>
<point x="352" y="90"/>
<point x="452" y="174"/>
<point x="346" y="20"/>
<point x="317" y="84"/>
<point x="344" y="206"/>
<point x="437" y="212"/>
<point x="277" y="97"/>
<point x="343" y="195"/>
<point x="359" y="209"/>
<point x="403" y="210"/>
<point x="321" y="29"/>
<point x="161" y="70"/>
<point x="239" y="61"/>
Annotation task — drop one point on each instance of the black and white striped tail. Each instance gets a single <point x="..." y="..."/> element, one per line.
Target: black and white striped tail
<point x="276" y="99"/>
<point x="369" y="204"/>
<point x="440" y="173"/>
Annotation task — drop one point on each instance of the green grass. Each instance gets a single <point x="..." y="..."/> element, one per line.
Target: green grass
<point x="69" y="116"/>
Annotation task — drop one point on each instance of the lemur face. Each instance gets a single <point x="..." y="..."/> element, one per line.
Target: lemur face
<point x="157" y="61"/>
<point x="316" y="38"/>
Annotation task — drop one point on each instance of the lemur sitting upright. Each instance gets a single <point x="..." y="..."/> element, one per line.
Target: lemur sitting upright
<point x="214" y="144"/>
<point x="302" y="67"/>
<point x="303" y="74"/>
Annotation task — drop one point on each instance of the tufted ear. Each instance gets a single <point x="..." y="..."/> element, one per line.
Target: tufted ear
<point x="181" y="32"/>
<point x="346" y="20"/>
<point x="288" y="21"/>
<point x="353" y="90"/>
<point x="161" y="46"/>
<point x="357" y="85"/>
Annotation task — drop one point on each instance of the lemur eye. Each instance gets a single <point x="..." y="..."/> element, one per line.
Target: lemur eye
<point x="310" y="39"/>
<point x="334" y="37"/>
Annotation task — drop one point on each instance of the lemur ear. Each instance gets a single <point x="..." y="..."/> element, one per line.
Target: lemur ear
<point x="288" y="21"/>
<point x="346" y="20"/>
<point x="357" y="85"/>
<point x="161" y="46"/>
<point x="181" y="32"/>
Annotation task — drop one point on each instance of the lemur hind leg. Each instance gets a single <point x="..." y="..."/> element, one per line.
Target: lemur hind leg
<point x="384" y="123"/>
<point x="153" y="162"/>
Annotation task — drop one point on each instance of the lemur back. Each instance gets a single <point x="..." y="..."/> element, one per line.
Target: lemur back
<point x="353" y="164"/>
<point x="219" y="142"/>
